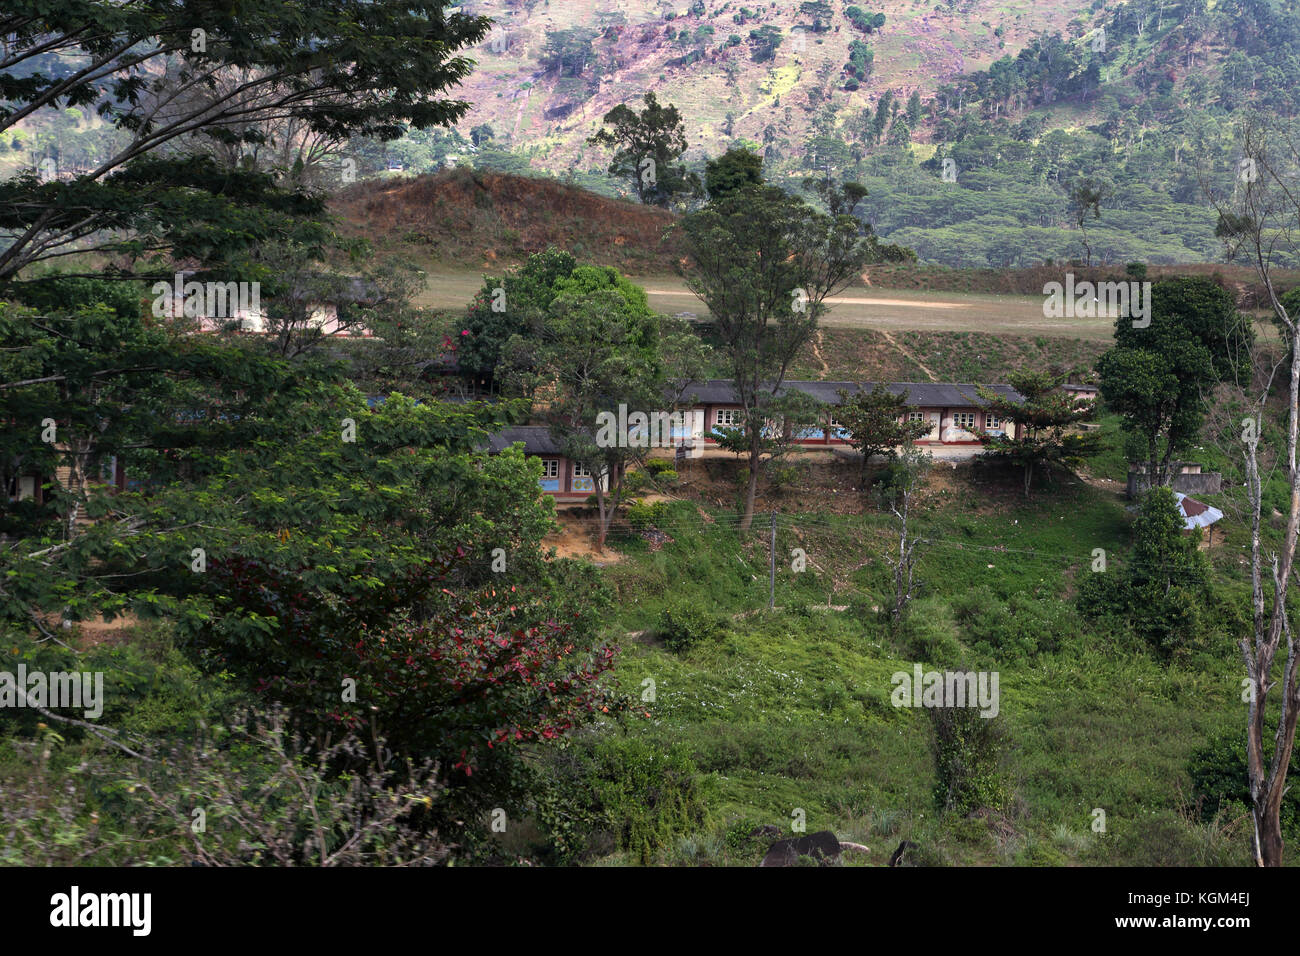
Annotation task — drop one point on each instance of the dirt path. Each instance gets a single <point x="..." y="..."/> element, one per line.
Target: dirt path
<point x="908" y="355"/>
<point x="817" y="353"/>
<point x="575" y="540"/>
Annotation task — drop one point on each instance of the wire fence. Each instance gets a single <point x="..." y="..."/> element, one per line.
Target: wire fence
<point x="877" y="535"/>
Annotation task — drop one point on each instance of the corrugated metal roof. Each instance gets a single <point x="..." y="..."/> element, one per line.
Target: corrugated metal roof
<point x="928" y="394"/>
<point x="1196" y="514"/>
<point x="537" y="440"/>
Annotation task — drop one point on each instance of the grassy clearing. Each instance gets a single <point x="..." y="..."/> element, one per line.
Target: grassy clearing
<point x="790" y="710"/>
<point x="890" y="310"/>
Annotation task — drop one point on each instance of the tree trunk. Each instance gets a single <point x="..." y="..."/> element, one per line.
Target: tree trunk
<point x="1153" y="463"/>
<point x="1165" y="474"/>
<point x="604" y="517"/>
<point x="1268" y="836"/>
<point x="76" y="483"/>
<point x="1267" y="780"/>
<point x="750" y="494"/>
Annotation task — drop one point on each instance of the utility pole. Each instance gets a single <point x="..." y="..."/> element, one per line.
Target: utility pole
<point x="771" y="581"/>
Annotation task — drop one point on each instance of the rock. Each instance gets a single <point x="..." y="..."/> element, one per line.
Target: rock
<point x="822" y="846"/>
<point x="903" y="847"/>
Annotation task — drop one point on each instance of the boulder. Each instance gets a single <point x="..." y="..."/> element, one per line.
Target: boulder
<point x="823" y="846"/>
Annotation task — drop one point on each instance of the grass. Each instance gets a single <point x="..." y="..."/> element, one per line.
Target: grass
<point x="451" y="287"/>
<point x="788" y="711"/>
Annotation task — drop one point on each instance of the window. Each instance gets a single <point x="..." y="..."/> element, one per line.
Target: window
<point x="916" y="416"/>
<point x="728" y="418"/>
<point x="992" y="421"/>
<point x="834" y="424"/>
<point x="964" y="420"/>
<point x="550" y="468"/>
<point x="582" y="478"/>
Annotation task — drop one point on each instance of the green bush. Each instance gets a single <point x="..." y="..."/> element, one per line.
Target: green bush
<point x="969" y="752"/>
<point x="656" y="471"/>
<point x="624" y="793"/>
<point x="1218" y="772"/>
<point x="649" y="795"/>
<point x="889" y="481"/>
<point x="929" y="632"/>
<point x="271" y="798"/>
<point x="643" y="517"/>
<point x="683" y="625"/>
<point x="1021" y="626"/>
<point x="1163" y="588"/>
<point x="742" y="836"/>
<point x="786" y="475"/>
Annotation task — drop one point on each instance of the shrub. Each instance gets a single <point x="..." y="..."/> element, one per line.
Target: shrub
<point x="1164" y="587"/>
<point x="656" y="471"/>
<point x="649" y="795"/>
<point x="1036" y="852"/>
<point x="1218" y="772"/>
<point x="786" y="475"/>
<point x="929" y="632"/>
<point x="683" y="625"/>
<point x="630" y="795"/>
<point x="969" y="752"/>
<point x="1019" y="627"/>
<point x="698" y="850"/>
<point x="635" y="482"/>
<point x="744" y="836"/>
<point x="643" y="517"/>
<point x="268" y="798"/>
<point x="274" y="798"/>
<point x="889" y="481"/>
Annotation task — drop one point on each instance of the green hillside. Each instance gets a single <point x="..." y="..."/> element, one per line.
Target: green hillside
<point x="1023" y="98"/>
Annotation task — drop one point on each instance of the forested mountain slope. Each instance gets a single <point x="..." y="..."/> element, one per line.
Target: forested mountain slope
<point x="1023" y="98"/>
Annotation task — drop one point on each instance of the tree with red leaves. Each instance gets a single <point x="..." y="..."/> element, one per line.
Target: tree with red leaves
<point x="392" y="586"/>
